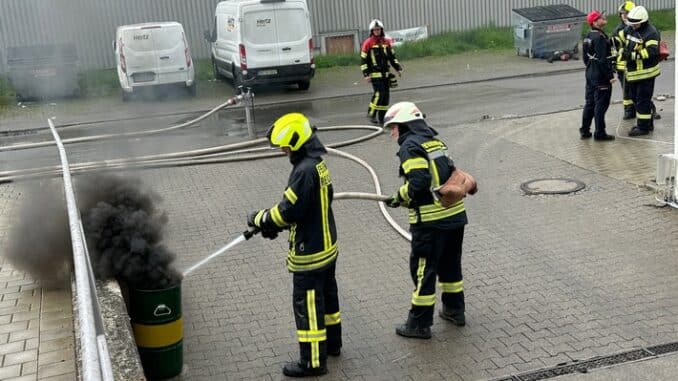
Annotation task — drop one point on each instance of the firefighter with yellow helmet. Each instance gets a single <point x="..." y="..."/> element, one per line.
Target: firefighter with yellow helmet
<point x="306" y="210"/>
<point x="618" y="42"/>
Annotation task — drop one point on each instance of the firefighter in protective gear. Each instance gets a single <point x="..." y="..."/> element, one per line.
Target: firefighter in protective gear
<point x="641" y="54"/>
<point x="306" y="210"/>
<point x="437" y="232"/>
<point x="376" y="54"/>
<point x="618" y="42"/>
<point x="599" y="78"/>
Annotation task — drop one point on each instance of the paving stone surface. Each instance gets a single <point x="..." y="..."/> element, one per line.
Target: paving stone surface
<point x="549" y="279"/>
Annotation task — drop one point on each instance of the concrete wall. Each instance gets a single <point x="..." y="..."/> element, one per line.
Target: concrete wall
<point x="91" y="23"/>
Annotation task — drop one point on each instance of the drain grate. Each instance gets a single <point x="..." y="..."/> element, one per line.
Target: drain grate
<point x="596" y="362"/>
<point x="663" y="348"/>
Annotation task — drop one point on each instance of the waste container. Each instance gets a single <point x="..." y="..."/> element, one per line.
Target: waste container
<point x="158" y="330"/>
<point x="541" y="31"/>
<point x="43" y="71"/>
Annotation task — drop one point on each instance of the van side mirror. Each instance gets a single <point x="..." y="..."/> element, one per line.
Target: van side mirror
<point x="208" y="36"/>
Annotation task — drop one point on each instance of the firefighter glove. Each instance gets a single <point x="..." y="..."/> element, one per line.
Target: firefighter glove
<point x="261" y="220"/>
<point x="393" y="201"/>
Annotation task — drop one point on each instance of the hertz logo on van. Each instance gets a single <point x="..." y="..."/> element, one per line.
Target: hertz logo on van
<point x="141" y="37"/>
<point x="263" y="22"/>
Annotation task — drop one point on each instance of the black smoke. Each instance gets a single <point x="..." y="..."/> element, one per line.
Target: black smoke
<point x="124" y="231"/>
<point x="39" y="240"/>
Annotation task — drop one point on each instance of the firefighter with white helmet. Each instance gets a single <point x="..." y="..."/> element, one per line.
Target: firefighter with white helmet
<point x="376" y="54"/>
<point x="641" y="55"/>
<point x="437" y="230"/>
<point x="618" y="41"/>
<point x="306" y="210"/>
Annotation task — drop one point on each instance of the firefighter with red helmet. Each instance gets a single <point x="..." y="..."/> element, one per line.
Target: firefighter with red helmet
<point x="376" y="54"/>
<point x="437" y="230"/>
<point x="306" y="210"/>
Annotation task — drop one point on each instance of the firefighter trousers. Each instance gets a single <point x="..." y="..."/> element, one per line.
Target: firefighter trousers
<point x="642" y="98"/>
<point x="597" y="103"/>
<point x="380" y="99"/>
<point x="317" y="316"/>
<point x="627" y="95"/>
<point x="435" y="252"/>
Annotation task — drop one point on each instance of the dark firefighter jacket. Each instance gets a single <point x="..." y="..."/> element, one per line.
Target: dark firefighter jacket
<point x="597" y="52"/>
<point x="618" y="39"/>
<point x="306" y="208"/>
<point x="641" y="53"/>
<point x="424" y="164"/>
<point x="375" y="56"/>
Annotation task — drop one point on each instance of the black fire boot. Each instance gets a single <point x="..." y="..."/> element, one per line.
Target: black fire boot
<point x="295" y="369"/>
<point x="629" y="113"/>
<point x="411" y="330"/>
<point x="455" y="316"/>
<point x="603" y="137"/>
<point x="638" y="132"/>
<point x="584" y="134"/>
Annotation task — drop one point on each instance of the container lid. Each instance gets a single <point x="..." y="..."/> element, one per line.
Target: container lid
<point x="550" y="12"/>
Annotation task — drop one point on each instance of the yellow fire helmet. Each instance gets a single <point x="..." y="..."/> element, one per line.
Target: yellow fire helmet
<point x="290" y="130"/>
<point x="626" y="7"/>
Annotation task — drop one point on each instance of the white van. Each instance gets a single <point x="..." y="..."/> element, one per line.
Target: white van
<point x="153" y="54"/>
<point x="262" y="42"/>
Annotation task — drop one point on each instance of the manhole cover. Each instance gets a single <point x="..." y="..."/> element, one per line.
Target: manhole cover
<point x="552" y="186"/>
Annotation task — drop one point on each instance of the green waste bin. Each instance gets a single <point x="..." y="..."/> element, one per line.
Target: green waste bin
<point x="158" y="330"/>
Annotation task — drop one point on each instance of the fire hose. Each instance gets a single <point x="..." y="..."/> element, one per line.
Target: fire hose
<point x="213" y="155"/>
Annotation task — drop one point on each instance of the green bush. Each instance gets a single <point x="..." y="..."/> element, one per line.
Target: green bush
<point x="664" y="19"/>
<point x="99" y="82"/>
<point x="7" y="95"/>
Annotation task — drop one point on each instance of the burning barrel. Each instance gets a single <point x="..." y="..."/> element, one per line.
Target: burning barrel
<point x="158" y="330"/>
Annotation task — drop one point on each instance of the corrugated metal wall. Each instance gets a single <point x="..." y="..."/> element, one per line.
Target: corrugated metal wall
<point x="91" y="23"/>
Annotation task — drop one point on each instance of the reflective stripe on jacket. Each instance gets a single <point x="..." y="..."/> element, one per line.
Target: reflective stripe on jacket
<point x="426" y="165"/>
<point x="306" y="208"/>
<point x="375" y="55"/>
<point x="643" y="44"/>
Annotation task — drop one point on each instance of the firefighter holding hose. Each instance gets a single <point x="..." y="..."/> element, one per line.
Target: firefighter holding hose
<point x="437" y="226"/>
<point x="306" y="210"/>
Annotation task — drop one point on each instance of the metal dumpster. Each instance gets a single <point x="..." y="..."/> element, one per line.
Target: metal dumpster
<point x="541" y="31"/>
<point x="43" y="71"/>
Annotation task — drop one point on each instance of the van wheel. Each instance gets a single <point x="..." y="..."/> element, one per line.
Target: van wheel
<point x="215" y="70"/>
<point x="304" y="85"/>
<point x="191" y="89"/>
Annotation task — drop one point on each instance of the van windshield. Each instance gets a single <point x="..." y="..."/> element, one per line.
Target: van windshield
<point x="293" y="28"/>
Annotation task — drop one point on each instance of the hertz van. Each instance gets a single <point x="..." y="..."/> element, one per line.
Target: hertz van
<point x="262" y="42"/>
<point x="153" y="54"/>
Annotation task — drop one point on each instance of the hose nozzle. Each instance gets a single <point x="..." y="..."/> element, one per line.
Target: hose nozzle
<point x="250" y="233"/>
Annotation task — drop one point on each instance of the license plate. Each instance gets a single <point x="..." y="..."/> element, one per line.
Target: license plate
<point x="267" y="72"/>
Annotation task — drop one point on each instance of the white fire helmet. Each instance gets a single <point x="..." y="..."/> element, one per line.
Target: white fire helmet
<point x="376" y="24"/>
<point x="402" y="112"/>
<point x="637" y="15"/>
